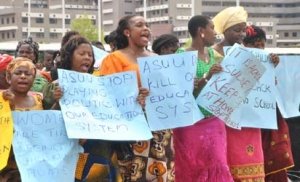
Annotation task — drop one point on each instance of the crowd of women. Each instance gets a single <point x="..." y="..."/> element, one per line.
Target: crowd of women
<point x="207" y="151"/>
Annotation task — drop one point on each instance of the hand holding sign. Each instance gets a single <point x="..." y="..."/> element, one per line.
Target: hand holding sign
<point x="102" y="107"/>
<point x="170" y="79"/>
<point x="225" y="91"/>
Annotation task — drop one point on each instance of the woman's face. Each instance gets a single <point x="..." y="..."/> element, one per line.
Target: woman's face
<point x="82" y="58"/>
<point x="169" y="49"/>
<point x="260" y="44"/>
<point x="48" y="61"/>
<point x="209" y="34"/>
<point x="235" y="34"/>
<point x="138" y="32"/>
<point x="26" y="51"/>
<point x="21" y="79"/>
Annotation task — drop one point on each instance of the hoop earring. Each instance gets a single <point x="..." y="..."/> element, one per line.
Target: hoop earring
<point x="202" y="35"/>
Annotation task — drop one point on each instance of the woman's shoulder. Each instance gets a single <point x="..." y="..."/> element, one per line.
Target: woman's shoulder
<point x="113" y="58"/>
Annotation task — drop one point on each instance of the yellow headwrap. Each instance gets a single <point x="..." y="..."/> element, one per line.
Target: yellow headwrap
<point x="20" y="61"/>
<point x="229" y="17"/>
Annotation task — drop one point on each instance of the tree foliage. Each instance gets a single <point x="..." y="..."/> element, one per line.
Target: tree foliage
<point x="85" y="27"/>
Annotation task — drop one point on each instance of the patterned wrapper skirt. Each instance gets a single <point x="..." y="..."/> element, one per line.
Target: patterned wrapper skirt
<point x="245" y="154"/>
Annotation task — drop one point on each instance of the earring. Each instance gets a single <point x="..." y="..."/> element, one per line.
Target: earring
<point x="128" y="35"/>
<point x="202" y="35"/>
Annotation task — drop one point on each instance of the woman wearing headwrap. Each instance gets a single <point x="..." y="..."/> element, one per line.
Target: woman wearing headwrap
<point x="20" y="74"/>
<point x="278" y="156"/>
<point x="4" y="61"/>
<point x="231" y="22"/>
<point x="244" y="147"/>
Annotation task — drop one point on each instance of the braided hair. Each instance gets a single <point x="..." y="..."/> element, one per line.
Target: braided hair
<point x="32" y="44"/>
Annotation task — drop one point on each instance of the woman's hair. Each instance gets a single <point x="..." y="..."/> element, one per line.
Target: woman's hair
<point x="253" y="34"/>
<point x="121" y="39"/>
<point x="196" y="22"/>
<point x="164" y="41"/>
<point x="68" y="49"/>
<point x="33" y="45"/>
<point x="17" y="62"/>
<point x="110" y="37"/>
<point x="68" y="36"/>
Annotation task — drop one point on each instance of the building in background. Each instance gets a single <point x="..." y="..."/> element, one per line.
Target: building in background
<point x="46" y="18"/>
<point x="281" y="20"/>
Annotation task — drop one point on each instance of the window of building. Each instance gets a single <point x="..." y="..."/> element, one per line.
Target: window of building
<point x="24" y="20"/>
<point x="24" y="35"/>
<point x="39" y="20"/>
<point x="40" y="35"/>
<point x="269" y="41"/>
<point x="13" y="35"/>
<point x="3" y="35"/>
<point x="7" y="20"/>
<point x="94" y="22"/>
<point x="166" y="11"/>
<point x="67" y="21"/>
<point x="52" y="21"/>
<point x="12" y="19"/>
<point x="53" y="35"/>
<point x="2" y="21"/>
<point x="8" y="35"/>
<point x="286" y="34"/>
<point x="294" y="34"/>
<point x="269" y="29"/>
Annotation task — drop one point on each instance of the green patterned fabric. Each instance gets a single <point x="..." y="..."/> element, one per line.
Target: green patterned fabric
<point x="202" y="68"/>
<point x="39" y="83"/>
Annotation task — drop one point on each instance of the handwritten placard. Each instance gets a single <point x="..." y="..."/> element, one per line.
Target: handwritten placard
<point x="288" y="87"/>
<point x="6" y="131"/>
<point x="102" y="107"/>
<point x="258" y="110"/>
<point x="41" y="147"/>
<point x="170" y="80"/>
<point x="225" y="91"/>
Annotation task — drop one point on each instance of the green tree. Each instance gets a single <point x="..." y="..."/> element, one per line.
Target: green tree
<point x="85" y="27"/>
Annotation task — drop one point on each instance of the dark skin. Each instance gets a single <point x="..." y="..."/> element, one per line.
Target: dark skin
<point x="205" y="37"/>
<point x="232" y="35"/>
<point x="19" y="97"/>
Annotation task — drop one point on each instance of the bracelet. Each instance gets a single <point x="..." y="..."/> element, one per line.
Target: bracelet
<point x="205" y="77"/>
